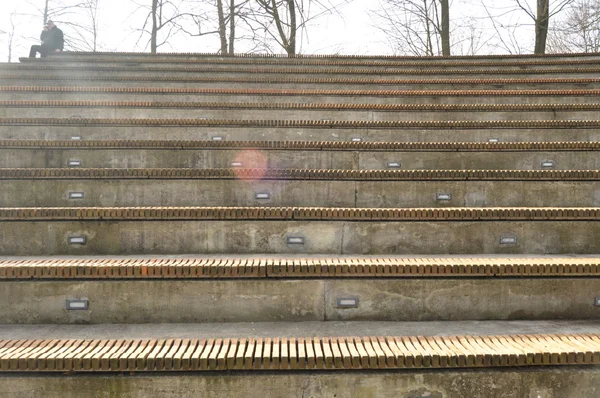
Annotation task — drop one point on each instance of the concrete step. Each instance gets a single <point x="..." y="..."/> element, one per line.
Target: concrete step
<point x="180" y="230"/>
<point x="212" y="154"/>
<point x="512" y="381"/>
<point x="289" y="187"/>
<point x="232" y="71"/>
<point x="291" y="111"/>
<point x="302" y="353"/>
<point x="165" y="94"/>
<point x="325" y="61"/>
<point x="234" y="288"/>
<point x="298" y="83"/>
<point x="293" y="130"/>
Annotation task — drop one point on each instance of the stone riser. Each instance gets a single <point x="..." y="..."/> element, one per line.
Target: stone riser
<point x="185" y="301"/>
<point x="353" y="63"/>
<point x="180" y="237"/>
<point x="505" y="383"/>
<point x="279" y="72"/>
<point x="299" y="98"/>
<point x="297" y="159"/>
<point x="165" y="192"/>
<point x="89" y="132"/>
<point x="309" y="114"/>
<point x="299" y="86"/>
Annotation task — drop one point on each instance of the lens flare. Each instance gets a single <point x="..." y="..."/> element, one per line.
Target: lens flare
<point x="251" y="159"/>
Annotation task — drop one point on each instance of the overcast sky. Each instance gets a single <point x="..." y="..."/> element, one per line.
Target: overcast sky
<point x="351" y="31"/>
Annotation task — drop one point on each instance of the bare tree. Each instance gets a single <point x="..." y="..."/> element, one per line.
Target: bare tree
<point x="579" y="30"/>
<point x="541" y="18"/>
<point x="417" y="27"/>
<point x="286" y="21"/>
<point x="161" y="21"/>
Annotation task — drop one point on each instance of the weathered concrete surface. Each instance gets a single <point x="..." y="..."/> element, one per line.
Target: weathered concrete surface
<point x="215" y="158"/>
<point x="285" y="72"/>
<point x="311" y="98"/>
<point x="199" y="301"/>
<point x="78" y="82"/>
<point x="243" y="237"/>
<point x="164" y="301"/>
<point x="169" y="192"/>
<point x="297" y="114"/>
<point x="298" y="159"/>
<point x="427" y="300"/>
<point x="295" y="329"/>
<point x="546" y="382"/>
<point x="90" y="132"/>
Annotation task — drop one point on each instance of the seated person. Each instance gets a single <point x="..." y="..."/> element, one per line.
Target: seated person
<point x="52" y="41"/>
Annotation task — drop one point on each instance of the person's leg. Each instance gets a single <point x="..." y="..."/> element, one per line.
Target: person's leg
<point x="34" y="49"/>
<point x="44" y="50"/>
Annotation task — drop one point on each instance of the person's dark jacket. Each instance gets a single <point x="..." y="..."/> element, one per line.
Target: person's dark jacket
<point x="53" y="38"/>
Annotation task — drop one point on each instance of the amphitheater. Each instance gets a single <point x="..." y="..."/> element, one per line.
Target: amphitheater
<point x="194" y="225"/>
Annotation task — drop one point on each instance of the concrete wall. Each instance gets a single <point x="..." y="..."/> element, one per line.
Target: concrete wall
<point x="74" y="81"/>
<point x="308" y="114"/>
<point x="288" y="300"/>
<point x="331" y="237"/>
<point x="298" y="159"/>
<point x="315" y="98"/>
<point x="91" y="132"/>
<point x="565" y="382"/>
<point x="167" y="192"/>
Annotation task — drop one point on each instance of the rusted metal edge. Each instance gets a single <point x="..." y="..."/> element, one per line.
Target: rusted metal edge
<point x="304" y="145"/>
<point x="282" y="123"/>
<point x="300" y="213"/>
<point x="309" y="267"/>
<point x="297" y="353"/>
<point x="296" y="174"/>
<point x="299" y="106"/>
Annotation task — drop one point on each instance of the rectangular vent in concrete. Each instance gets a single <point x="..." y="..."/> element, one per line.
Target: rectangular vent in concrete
<point x="508" y="240"/>
<point x="262" y="195"/>
<point x="548" y="164"/>
<point x="236" y="164"/>
<point x="76" y="195"/>
<point x="492" y="140"/>
<point x="77" y="240"/>
<point x="347" y="302"/>
<point x="76" y="138"/>
<point x="356" y="139"/>
<point x="217" y="138"/>
<point x="393" y="165"/>
<point x="295" y="240"/>
<point x="78" y="305"/>
<point x="443" y="196"/>
<point x="597" y="301"/>
<point x="74" y="163"/>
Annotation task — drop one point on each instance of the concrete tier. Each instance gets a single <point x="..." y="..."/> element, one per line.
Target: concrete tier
<point x="317" y="62"/>
<point x="263" y="111"/>
<point x="134" y="81"/>
<point x="144" y="157"/>
<point x="30" y="130"/>
<point x="231" y="71"/>
<point x="182" y="191"/>
<point x="157" y="94"/>
<point x="292" y="289"/>
<point x="302" y="353"/>
<point x="564" y="382"/>
<point x="346" y="237"/>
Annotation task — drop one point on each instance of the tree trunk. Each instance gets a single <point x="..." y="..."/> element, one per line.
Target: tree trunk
<point x="45" y="12"/>
<point x="231" y="26"/>
<point x="222" y="27"/>
<point x="154" y="32"/>
<point x="541" y="26"/>
<point x="445" y="28"/>
<point x="293" y="27"/>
